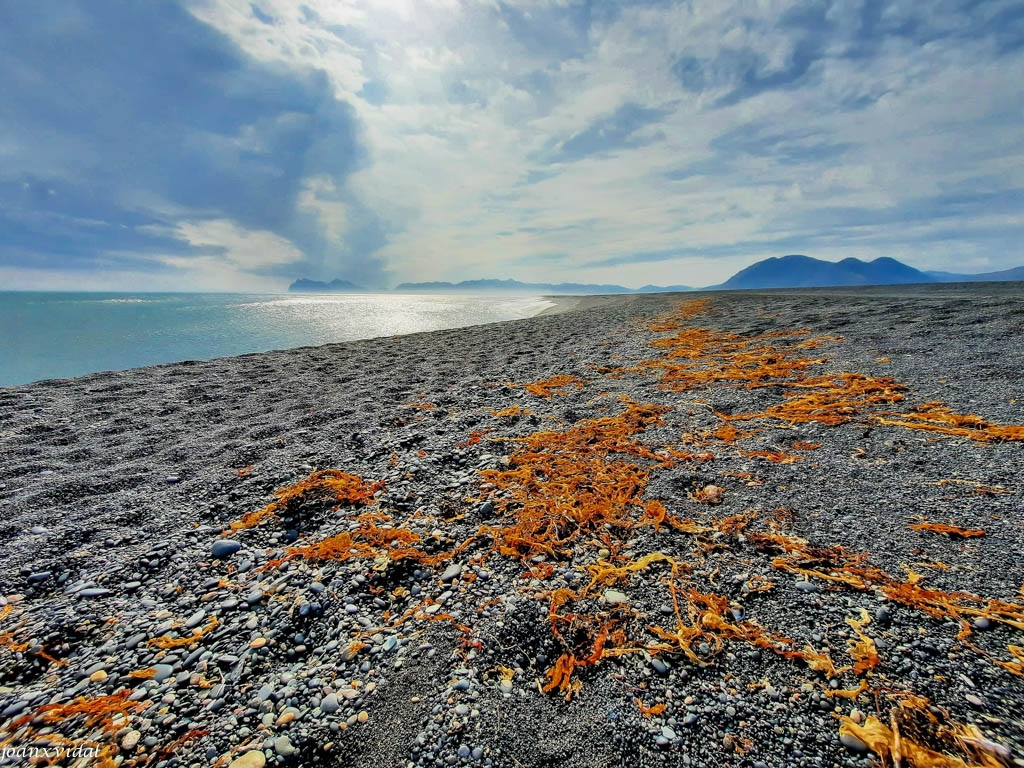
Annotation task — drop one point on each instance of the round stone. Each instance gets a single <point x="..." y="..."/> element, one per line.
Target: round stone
<point x="252" y="759"/>
<point x="225" y="548"/>
<point x="130" y="740"/>
<point x="852" y="742"/>
<point x="452" y="572"/>
<point x="162" y="672"/>
<point x="329" y="703"/>
<point x="284" y="747"/>
<point x="614" y="597"/>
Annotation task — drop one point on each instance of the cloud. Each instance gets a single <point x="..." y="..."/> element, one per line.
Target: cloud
<point x="135" y="117"/>
<point x="599" y="141"/>
<point x="620" y="130"/>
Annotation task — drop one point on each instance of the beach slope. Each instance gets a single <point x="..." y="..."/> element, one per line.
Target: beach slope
<point x="753" y="528"/>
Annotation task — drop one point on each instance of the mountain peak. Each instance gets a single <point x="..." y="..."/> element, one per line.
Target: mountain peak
<point x="303" y="285"/>
<point x="798" y="271"/>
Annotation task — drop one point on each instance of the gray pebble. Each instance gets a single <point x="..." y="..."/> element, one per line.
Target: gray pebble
<point x="452" y="572"/>
<point x="329" y="703"/>
<point x="225" y="548"/>
<point x="163" y="671"/>
<point x="284" y="747"/>
<point x="853" y="743"/>
<point x="94" y="592"/>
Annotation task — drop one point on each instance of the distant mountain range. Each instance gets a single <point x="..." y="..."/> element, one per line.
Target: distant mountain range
<point x="797" y="271"/>
<point x="514" y="286"/>
<point x="482" y="286"/>
<point x="302" y="285"/>
<point x="804" y="272"/>
<point x="1002" y="276"/>
<point x="793" y="271"/>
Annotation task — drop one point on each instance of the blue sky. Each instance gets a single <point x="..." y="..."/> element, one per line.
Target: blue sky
<point x="234" y="146"/>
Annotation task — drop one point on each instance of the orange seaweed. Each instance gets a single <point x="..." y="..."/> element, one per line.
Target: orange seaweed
<point x="952" y="531"/>
<point x="559" y="384"/>
<point x="327" y="484"/>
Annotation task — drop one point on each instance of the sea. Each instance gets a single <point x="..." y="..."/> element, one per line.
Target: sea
<point x="60" y="335"/>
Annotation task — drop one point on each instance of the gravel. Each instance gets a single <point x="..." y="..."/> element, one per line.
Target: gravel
<point x="121" y="582"/>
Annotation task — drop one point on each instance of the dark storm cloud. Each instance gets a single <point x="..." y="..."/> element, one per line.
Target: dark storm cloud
<point x="135" y="115"/>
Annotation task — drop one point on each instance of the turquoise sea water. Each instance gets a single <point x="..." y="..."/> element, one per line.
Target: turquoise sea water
<point x="57" y="335"/>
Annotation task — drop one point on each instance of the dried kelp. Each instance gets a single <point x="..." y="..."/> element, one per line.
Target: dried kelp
<point x="952" y="531"/>
<point x="917" y="737"/>
<point x="166" y="641"/>
<point x="939" y="417"/>
<point x="564" y="484"/>
<point x="374" y="538"/>
<point x="324" y="484"/>
<point x="559" y="384"/>
<point x="106" y="715"/>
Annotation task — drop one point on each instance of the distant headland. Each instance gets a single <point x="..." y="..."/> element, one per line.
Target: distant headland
<point x="792" y="271"/>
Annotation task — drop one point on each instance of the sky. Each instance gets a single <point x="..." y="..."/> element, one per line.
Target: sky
<point x="217" y="145"/>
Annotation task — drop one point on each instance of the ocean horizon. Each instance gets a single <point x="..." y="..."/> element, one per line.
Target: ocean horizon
<point x="50" y="335"/>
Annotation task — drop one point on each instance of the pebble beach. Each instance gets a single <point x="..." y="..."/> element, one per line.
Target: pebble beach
<point x="776" y="528"/>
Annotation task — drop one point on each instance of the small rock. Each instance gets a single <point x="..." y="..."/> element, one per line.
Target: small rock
<point x="94" y="592"/>
<point x="982" y="623"/>
<point x="807" y="586"/>
<point x="162" y="672"/>
<point x="98" y="676"/>
<point x="225" y="548"/>
<point x="329" y="704"/>
<point x="130" y="740"/>
<point x="853" y="743"/>
<point x="363" y="716"/>
<point x="614" y="597"/>
<point x="284" y="747"/>
<point x="452" y="572"/>
<point x="257" y="643"/>
<point x="252" y="759"/>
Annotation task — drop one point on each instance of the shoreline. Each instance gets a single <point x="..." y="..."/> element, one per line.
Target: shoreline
<point x="116" y="487"/>
<point x="164" y="338"/>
